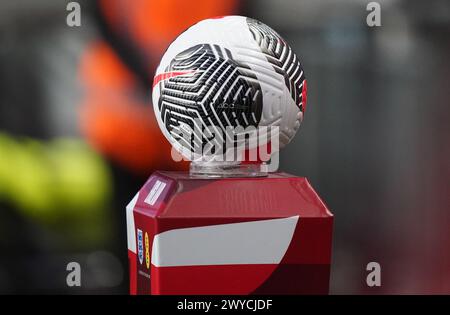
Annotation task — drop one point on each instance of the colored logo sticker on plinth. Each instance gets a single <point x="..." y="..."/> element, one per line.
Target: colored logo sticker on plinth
<point x="147" y="251"/>
<point x="140" y="246"/>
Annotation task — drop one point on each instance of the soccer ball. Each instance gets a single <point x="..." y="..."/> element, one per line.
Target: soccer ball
<point x="225" y="72"/>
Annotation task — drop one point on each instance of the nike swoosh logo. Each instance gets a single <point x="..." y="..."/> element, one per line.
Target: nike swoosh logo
<point x="167" y="75"/>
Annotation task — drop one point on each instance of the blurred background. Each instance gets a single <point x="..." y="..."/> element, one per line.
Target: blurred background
<point x="78" y="137"/>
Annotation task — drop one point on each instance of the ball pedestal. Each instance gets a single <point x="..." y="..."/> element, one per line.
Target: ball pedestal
<point x="254" y="235"/>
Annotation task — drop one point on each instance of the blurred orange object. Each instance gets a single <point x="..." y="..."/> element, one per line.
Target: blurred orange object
<point x="116" y="118"/>
<point x="153" y="24"/>
<point x="116" y="114"/>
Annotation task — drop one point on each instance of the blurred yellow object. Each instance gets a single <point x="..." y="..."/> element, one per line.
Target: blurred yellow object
<point x="52" y="182"/>
<point x="5" y="145"/>
<point x="30" y="183"/>
<point x="84" y="190"/>
<point x="83" y="181"/>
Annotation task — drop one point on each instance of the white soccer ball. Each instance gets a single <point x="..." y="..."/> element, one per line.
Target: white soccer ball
<point x="227" y="72"/>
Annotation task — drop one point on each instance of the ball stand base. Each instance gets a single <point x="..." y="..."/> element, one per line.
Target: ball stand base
<point x="227" y="169"/>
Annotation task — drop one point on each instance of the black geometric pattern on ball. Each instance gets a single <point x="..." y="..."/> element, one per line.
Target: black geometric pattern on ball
<point x="281" y="56"/>
<point x="216" y="91"/>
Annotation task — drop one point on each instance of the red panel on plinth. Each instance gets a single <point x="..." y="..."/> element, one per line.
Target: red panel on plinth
<point x="268" y="235"/>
